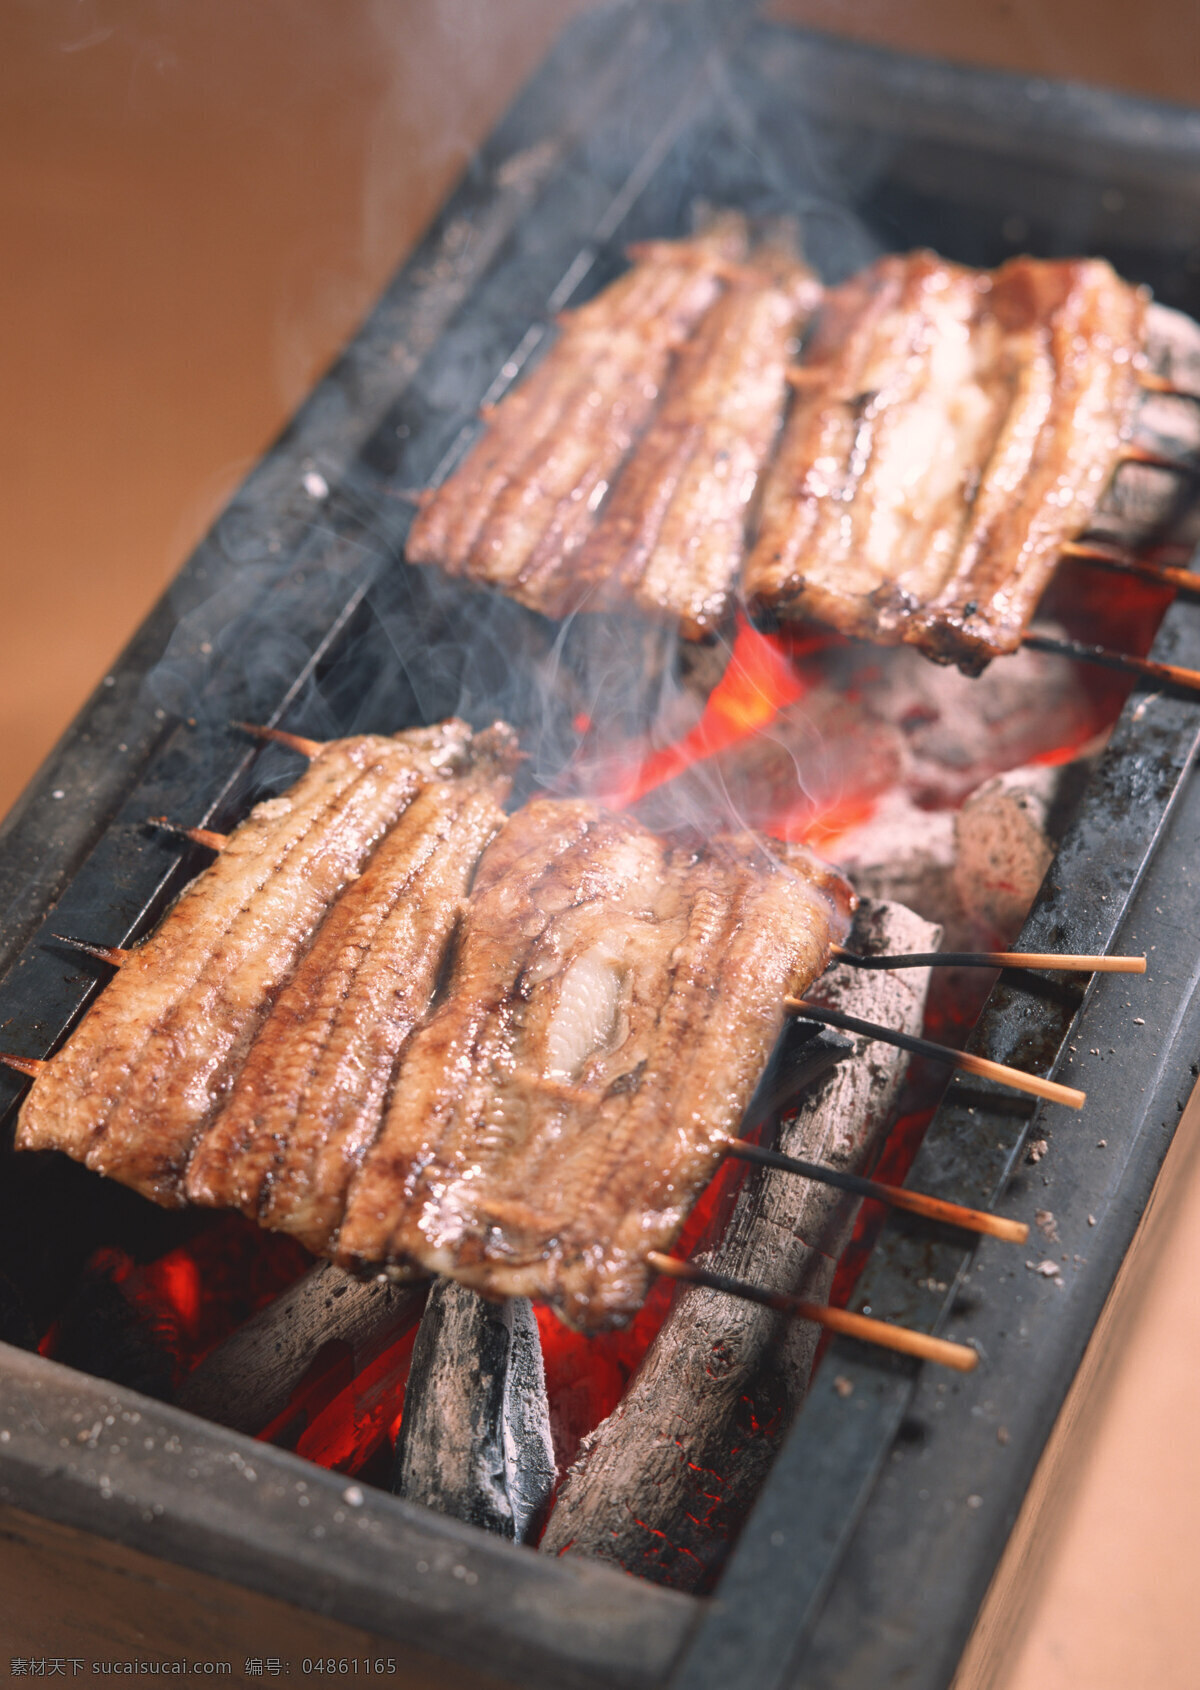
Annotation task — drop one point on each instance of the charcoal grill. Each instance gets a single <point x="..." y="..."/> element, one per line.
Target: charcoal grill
<point x="873" y="1542"/>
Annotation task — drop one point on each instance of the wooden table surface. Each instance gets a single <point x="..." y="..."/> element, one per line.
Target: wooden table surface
<point x="202" y="202"/>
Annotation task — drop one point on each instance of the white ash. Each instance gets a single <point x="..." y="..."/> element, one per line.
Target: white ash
<point x="905" y="855"/>
<point x="660" y="1484"/>
<point x="960" y="729"/>
<point x="975" y="871"/>
<point x="1047" y="1225"/>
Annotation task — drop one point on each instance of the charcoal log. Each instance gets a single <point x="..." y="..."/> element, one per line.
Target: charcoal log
<point x="1005" y="838"/>
<point x="475" y="1439"/>
<point x="100" y="1332"/>
<point x="247" y="1380"/>
<point x="662" y="1486"/>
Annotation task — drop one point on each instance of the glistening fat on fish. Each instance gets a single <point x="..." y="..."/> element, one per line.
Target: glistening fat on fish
<point x="309" y="1100"/>
<point x="615" y="998"/>
<point x="522" y="1083"/>
<point x="953" y="429"/>
<point x="149" y="1066"/>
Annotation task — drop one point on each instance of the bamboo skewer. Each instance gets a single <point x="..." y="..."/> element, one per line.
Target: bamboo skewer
<point x="1151" y="382"/>
<point x="1125" y="563"/>
<point x="1157" y="460"/>
<point x="958" y="1356"/>
<point x="935" y="1208"/>
<point x="116" y="955"/>
<point x="973" y="1220"/>
<point x="279" y="736"/>
<point x="31" y="1065"/>
<point x="218" y="841"/>
<point x="916" y="1202"/>
<point x="1170" y="673"/>
<point x="997" y="959"/>
<point x="981" y="1066"/>
<point x="198" y="835"/>
<point x="113" y="954"/>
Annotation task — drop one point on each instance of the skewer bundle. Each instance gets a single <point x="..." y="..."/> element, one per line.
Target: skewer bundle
<point x="291" y="993"/>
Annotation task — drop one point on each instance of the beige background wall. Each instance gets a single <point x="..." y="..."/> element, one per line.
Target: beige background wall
<point x="199" y="202"/>
<point x="1149" y="49"/>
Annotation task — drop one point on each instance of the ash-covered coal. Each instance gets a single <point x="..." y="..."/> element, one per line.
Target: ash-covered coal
<point x="475" y="1440"/>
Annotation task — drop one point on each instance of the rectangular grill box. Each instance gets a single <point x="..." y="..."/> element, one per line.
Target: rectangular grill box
<point x="129" y="1527"/>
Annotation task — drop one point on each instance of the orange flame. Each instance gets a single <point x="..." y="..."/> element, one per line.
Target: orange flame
<point x="760" y="679"/>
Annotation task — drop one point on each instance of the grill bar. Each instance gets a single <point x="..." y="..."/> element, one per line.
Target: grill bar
<point x="973" y="1153"/>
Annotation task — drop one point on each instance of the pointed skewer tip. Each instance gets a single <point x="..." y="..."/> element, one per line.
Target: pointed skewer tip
<point x="114" y="954"/>
<point x="279" y="736"/>
<point x="198" y="835"/>
<point x="23" y="1064"/>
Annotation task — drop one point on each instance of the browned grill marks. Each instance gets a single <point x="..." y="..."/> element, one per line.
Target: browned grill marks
<point x="309" y="1099"/>
<point x="614" y="1000"/>
<point x="148" y="1066"/>
<point x="672" y="535"/>
<point x="522" y="1082"/>
<point x="523" y="501"/>
<point x="955" y="428"/>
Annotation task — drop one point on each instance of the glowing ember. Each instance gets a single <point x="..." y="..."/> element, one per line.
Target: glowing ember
<point x="349" y="1405"/>
<point x="760" y="679"/>
<point x="187" y="1301"/>
<point x="586" y="1377"/>
<point x="359" y="1418"/>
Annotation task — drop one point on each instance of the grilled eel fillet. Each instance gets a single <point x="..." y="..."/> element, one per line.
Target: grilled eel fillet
<point x="523" y="502"/>
<point x="605" y="1009"/>
<point x="672" y="535"/>
<point x="149" y="1067"/>
<point x="309" y="1100"/>
<point x="953" y="428"/>
<point x="613" y="1002"/>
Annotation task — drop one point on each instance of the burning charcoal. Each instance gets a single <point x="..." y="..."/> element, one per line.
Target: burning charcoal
<point x="16" y="1321"/>
<point x="958" y="731"/>
<point x="903" y="854"/>
<point x="1005" y="837"/>
<point x="662" y="1486"/>
<point x="805" y="1054"/>
<point x="815" y="757"/>
<point x="247" y="1381"/>
<point x="1140" y="501"/>
<point x="102" y="1333"/>
<point x="475" y="1439"/>
<point x="879" y="726"/>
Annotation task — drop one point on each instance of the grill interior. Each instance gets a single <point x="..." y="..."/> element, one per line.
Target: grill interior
<point x="301" y="609"/>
